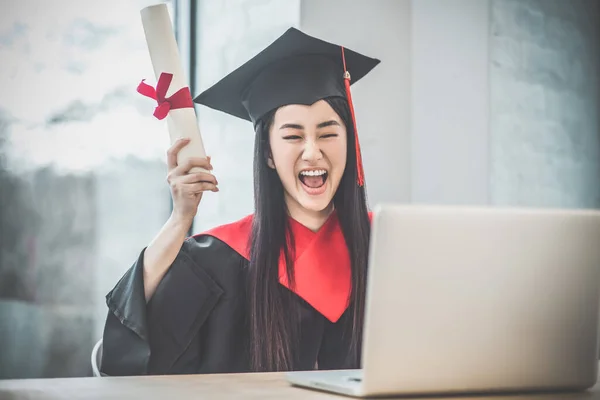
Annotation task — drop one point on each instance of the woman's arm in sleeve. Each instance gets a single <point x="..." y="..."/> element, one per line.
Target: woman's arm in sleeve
<point x="162" y="251"/>
<point x="147" y="337"/>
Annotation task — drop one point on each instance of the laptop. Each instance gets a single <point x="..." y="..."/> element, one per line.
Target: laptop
<point x="476" y="300"/>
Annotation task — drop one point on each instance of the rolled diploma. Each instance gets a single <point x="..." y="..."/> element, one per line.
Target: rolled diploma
<point x="164" y="55"/>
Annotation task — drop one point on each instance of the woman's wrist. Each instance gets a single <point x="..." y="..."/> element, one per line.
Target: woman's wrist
<point x="180" y="222"/>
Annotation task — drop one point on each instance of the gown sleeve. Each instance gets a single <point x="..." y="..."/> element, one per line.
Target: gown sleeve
<point x="158" y="337"/>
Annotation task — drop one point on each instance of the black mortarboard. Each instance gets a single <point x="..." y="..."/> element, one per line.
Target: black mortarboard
<point x="294" y="69"/>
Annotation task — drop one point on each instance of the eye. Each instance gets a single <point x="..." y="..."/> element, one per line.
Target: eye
<point x="292" y="137"/>
<point x="329" y="135"/>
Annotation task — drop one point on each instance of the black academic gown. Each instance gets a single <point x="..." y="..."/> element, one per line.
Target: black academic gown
<point x="196" y="321"/>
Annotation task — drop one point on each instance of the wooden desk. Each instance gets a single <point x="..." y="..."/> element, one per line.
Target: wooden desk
<point x="214" y="387"/>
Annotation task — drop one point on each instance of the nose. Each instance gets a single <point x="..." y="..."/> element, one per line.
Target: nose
<point x="312" y="151"/>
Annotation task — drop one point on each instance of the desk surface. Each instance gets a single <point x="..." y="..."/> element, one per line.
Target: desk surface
<point x="215" y="387"/>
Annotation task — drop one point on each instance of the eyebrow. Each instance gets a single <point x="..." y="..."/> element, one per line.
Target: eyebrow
<point x="300" y="127"/>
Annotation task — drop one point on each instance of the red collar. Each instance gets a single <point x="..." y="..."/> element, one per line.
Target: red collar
<point x="322" y="265"/>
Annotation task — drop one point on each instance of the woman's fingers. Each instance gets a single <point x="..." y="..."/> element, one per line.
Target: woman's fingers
<point x="174" y="150"/>
<point x="192" y="162"/>
<point x="182" y="170"/>
<point x="196" y="188"/>
<point x="186" y="189"/>
<point x="199" y="177"/>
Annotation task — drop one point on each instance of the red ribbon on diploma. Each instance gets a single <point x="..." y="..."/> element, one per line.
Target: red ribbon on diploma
<point x="180" y="99"/>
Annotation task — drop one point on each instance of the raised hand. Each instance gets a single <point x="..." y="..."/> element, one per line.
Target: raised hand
<point x="187" y="187"/>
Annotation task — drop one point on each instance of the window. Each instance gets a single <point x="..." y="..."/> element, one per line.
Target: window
<point x="82" y="167"/>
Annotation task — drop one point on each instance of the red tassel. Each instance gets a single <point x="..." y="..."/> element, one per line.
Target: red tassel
<point x="359" y="164"/>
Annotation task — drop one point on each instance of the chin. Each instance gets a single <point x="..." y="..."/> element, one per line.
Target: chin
<point x="316" y="205"/>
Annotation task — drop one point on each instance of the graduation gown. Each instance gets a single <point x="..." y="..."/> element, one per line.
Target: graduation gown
<point x="197" y="322"/>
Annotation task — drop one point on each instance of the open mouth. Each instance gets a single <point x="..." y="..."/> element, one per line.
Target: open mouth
<point x="313" y="179"/>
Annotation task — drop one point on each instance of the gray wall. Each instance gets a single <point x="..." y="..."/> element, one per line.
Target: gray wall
<point x="544" y="74"/>
<point x="476" y="101"/>
<point x="450" y="101"/>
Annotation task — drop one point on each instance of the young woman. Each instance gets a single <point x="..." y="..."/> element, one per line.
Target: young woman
<point x="282" y="289"/>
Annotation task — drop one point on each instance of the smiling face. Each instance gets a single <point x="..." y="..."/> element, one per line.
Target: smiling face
<point x="308" y="151"/>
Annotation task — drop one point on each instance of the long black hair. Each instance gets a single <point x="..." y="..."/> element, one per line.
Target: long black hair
<point x="273" y="317"/>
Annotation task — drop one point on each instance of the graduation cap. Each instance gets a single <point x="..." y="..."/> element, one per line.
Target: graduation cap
<point x="294" y="69"/>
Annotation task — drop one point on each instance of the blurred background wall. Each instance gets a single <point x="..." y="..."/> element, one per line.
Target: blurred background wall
<point x="476" y="101"/>
<point x="545" y="104"/>
<point x="491" y="102"/>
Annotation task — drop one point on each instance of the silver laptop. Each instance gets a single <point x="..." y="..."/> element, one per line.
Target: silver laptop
<point x="467" y="300"/>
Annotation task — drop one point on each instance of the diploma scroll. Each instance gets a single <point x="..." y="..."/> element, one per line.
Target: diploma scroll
<point x="181" y="120"/>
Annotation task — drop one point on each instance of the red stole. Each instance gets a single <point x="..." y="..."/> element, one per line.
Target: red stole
<point x="322" y="268"/>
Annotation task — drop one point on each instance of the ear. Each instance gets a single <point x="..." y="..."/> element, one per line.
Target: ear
<point x="269" y="158"/>
<point x="270" y="162"/>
